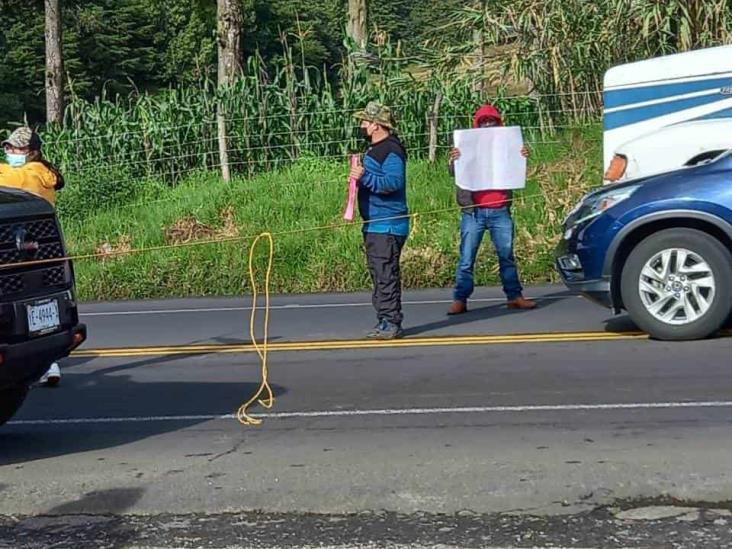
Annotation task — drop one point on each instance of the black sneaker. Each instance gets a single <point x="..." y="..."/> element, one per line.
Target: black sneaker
<point x="390" y="331"/>
<point x="374" y="333"/>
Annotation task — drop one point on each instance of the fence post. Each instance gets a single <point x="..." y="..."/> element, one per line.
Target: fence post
<point x="223" y="144"/>
<point x="432" y="121"/>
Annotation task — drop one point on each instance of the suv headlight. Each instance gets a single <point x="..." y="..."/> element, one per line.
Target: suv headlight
<point x="602" y="202"/>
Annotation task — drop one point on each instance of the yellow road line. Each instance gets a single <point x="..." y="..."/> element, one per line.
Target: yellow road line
<point x="444" y="341"/>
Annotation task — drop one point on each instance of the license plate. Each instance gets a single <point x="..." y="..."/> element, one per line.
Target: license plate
<point x="43" y="317"/>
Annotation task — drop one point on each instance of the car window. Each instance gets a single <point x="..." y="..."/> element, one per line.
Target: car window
<point x="706" y="157"/>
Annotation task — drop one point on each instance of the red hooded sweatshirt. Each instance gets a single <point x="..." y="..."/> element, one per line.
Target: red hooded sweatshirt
<point x="489" y="199"/>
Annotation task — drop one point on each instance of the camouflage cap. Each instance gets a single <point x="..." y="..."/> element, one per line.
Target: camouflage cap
<point x="377" y="113"/>
<point x="23" y="138"/>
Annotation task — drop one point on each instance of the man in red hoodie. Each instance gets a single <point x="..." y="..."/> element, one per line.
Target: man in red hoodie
<point x="486" y="211"/>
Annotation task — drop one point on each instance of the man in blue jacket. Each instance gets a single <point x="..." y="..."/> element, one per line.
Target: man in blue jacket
<point x="382" y="201"/>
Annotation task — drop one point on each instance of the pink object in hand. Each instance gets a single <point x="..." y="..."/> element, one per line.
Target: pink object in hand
<point x="352" y="188"/>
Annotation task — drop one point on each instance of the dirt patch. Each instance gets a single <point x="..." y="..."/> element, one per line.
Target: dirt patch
<point x="107" y="250"/>
<point x="189" y="229"/>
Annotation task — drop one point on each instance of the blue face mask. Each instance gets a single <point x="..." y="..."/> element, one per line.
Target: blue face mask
<point x="15" y="160"/>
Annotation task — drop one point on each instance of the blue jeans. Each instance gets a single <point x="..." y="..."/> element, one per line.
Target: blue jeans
<point x="472" y="228"/>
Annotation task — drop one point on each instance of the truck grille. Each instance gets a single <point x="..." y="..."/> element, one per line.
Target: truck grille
<point x="31" y="280"/>
<point x="55" y="276"/>
<point x="45" y="251"/>
<point x="41" y="230"/>
<point x="11" y="284"/>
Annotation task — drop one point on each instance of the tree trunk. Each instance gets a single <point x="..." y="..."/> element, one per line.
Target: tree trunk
<point x="54" y="64"/>
<point x="356" y="28"/>
<point x="228" y="33"/>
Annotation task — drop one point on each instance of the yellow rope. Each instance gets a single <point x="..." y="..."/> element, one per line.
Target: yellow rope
<point x="231" y="239"/>
<point x="264" y="388"/>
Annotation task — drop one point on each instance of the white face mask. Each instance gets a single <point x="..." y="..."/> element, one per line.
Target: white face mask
<point x="16" y="160"/>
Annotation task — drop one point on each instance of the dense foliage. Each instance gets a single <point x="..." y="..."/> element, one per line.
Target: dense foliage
<point x="124" y="46"/>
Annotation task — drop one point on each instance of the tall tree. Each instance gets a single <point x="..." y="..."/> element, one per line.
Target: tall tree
<point x="228" y="35"/>
<point x="54" y="63"/>
<point x="357" y="29"/>
<point x="229" y="31"/>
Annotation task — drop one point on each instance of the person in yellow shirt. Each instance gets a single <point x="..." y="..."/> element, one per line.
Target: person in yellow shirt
<point x="26" y="169"/>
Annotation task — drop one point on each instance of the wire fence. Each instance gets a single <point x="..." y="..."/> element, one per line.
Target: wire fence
<point x="167" y="153"/>
<point x="118" y="156"/>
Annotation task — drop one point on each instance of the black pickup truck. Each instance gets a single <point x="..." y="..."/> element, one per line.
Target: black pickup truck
<point x="39" y="321"/>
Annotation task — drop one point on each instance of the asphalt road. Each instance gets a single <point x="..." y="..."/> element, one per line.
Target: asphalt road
<point x="335" y="316"/>
<point x="570" y="416"/>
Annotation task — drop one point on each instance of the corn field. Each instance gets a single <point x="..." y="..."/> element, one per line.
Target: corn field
<point x="274" y="116"/>
<point x="559" y="49"/>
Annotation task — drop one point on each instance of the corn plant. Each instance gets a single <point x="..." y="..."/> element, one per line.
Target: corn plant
<point x="274" y="114"/>
<point x="560" y="49"/>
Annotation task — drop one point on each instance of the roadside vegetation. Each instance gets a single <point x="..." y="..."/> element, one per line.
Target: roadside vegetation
<point x="304" y="195"/>
<point x="140" y="138"/>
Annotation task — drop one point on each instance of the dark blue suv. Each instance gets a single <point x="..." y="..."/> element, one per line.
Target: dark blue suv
<point x="659" y="248"/>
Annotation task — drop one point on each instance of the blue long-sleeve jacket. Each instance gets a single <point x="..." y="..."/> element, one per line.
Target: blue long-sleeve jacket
<point x="382" y="190"/>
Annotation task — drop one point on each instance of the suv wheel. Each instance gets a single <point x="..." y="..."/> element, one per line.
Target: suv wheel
<point x="10" y="400"/>
<point x="677" y="284"/>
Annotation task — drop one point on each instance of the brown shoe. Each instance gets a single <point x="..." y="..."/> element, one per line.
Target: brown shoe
<point x="457" y="308"/>
<point x="522" y="303"/>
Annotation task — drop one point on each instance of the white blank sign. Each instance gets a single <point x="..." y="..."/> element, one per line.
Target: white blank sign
<point x="490" y="158"/>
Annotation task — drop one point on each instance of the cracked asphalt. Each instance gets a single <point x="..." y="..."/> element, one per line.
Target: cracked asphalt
<point x="493" y="445"/>
<point x="365" y="530"/>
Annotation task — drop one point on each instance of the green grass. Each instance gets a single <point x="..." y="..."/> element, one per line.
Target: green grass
<point x="308" y="194"/>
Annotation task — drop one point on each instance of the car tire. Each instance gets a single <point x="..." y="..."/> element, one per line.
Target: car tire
<point x="703" y="282"/>
<point x="11" y="398"/>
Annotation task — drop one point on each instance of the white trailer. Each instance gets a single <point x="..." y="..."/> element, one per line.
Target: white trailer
<point x="666" y="113"/>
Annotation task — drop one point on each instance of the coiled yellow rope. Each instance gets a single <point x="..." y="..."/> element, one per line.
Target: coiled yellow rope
<point x="264" y="394"/>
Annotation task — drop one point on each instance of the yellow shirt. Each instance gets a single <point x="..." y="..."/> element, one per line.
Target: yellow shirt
<point x="33" y="177"/>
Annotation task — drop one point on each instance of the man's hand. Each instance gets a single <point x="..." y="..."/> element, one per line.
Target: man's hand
<point x="525" y="151"/>
<point x="454" y="155"/>
<point x="357" y="172"/>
